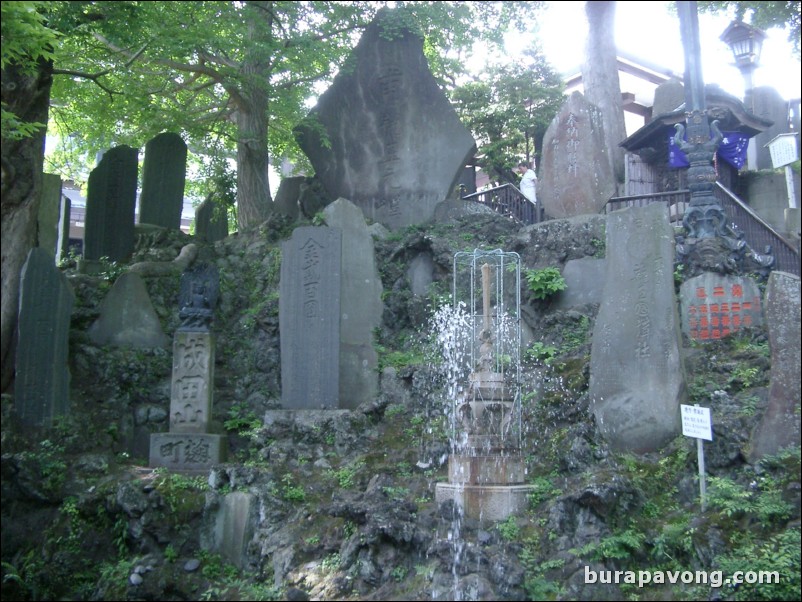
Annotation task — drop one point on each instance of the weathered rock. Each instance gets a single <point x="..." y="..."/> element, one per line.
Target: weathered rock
<point x="637" y="379"/>
<point x="396" y="147"/>
<point x="576" y="173"/>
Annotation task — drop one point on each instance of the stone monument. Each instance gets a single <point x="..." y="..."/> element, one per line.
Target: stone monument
<point x="164" y="173"/>
<point x="637" y="378"/>
<point x="394" y="146"/>
<point x="576" y="173"/>
<point x="780" y="426"/>
<point x="189" y="446"/>
<point x="309" y="319"/>
<point x="716" y="305"/>
<point x="111" y="206"/>
<point x="41" y="385"/>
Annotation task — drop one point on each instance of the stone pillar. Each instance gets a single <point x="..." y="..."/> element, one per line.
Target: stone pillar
<point x="163" y="176"/>
<point x="41" y="385"/>
<point x="780" y="426"/>
<point x="637" y="379"/>
<point x="111" y="206"/>
<point x="309" y="319"/>
<point x="49" y="209"/>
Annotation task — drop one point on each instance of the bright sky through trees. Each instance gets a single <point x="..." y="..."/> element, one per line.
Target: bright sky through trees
<point x="649" y="31"/>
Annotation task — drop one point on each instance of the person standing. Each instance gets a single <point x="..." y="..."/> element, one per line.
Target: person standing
<point x="528" y="182"/>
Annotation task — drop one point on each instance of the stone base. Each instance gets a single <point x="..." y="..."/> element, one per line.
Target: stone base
<point x="485" y="470"/>
<point x="186" y="451"/>
<point x="488" y="502"/>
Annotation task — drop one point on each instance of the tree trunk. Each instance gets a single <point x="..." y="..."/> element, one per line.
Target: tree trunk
<point x="254" y="202"/>
<point x="27" y="95"/>
<point x="253" y="187"/>
<point x="600" y="80"/>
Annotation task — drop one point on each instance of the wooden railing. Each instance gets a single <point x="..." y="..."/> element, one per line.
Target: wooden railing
<point x="508" y="200"/>
<point x="758" y="233"/>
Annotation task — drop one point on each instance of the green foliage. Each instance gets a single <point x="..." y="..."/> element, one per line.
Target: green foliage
<point x="184" y="495"/>
<point x="743" y="377"/>
<point x="241" y="419"/>
<point x="778" y="556"/>
<point x="290" y="491"/>
<point x="618" y="546"/>
<point x="536" y="584"/>
<point x="399" y="573"/>
<point x="763" y="500"/>
<point x="27" y="43"/>
<point x="110" y="270"/>
<point x="48" y="461"/>
<point x="544" y="283"/>
<point x="508" y="109"/>
<point x="346" y="475"/>
<point x="542" y="489"/>
<point x="508" y="528"/>
<point x="170" y="554"/>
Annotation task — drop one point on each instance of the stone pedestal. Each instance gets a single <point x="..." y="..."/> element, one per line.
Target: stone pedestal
<point x="488" y="502"/>
<point x="486" y="475"/>
<point x="186" y="451"/>
<point x="188" y="446"/>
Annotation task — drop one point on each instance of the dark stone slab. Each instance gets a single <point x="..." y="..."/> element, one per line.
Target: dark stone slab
<point x="576" y="173"/>
<point x="63" y="243"/>
<point x="186" y="451"/>
<point x="361" y="305"/>
<point x="49" y="209"/>
<point x="111" y="206"/>
<point x="287" y="196"/>
<point x="716" y="305"/>
<point x="780" y="426"/>
<point x="164" y="173"/>
<point x="396" y="147"/>
<point x="637" y="378"/>
<point x="41" y="385"/>
<point x="309" y="319"/>
<point x="211" y="222"/>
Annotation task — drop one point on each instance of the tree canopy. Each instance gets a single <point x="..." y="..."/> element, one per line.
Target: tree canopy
<point x="508" y="109"/>
<point x="764" y="15"/>
<point x="232" y="77"/>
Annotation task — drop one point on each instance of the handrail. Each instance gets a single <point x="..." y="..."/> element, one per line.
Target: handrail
<point x="509" y="201"/>
<point x="758" y="232"/>
<point x="755" y="230"/>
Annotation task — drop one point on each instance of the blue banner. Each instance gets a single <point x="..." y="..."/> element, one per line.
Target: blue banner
<point x="732" y="150"/>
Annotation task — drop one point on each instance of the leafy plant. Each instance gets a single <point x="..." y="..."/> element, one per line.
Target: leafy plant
<point x="291" y="492"/>
<point x="545" y="282"/>
<point x="508" y="529"/>
<point x="540" y="352"/>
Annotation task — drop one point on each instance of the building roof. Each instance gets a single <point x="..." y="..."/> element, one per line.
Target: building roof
<point x="727" y="109"/>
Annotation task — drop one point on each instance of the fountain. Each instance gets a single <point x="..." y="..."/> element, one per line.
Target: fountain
<point x="485" y="467"/>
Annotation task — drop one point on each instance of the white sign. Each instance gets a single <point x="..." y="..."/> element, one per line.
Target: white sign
<point x="783" y="150"/>
<point x="696" y="422"/>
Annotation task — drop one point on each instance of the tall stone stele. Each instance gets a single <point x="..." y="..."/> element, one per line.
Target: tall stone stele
<point x="189" y="446"/>
<point x="111" y="206"/>
<point x="42" y="383"/>
<point x="637" y="377"/>
<point x="394" y="145"/>
<point x="576" y="174"/>
<point x="163" y="177"/>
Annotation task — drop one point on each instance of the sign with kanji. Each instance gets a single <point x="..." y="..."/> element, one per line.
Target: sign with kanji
<point x="714" y="306"/>
<point x="696" y="422"/>
<point x="783" y="150"/>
